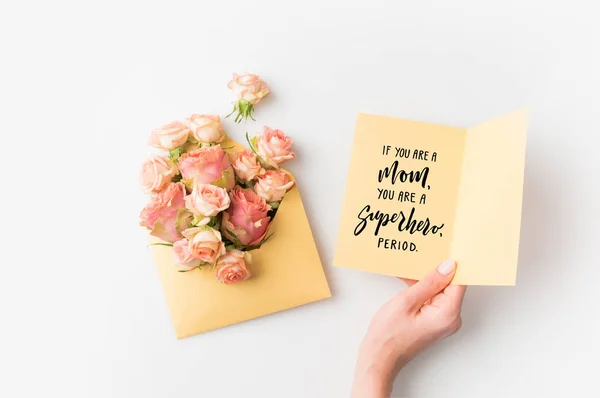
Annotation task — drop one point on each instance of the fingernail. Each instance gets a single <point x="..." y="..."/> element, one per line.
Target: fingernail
<point x="446" y="267"/>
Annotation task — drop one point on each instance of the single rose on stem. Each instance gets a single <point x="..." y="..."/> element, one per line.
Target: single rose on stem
<point x="207" y="200"/>
<point x="169" y="136"/>
<point x="160" y="214"/>
<point x="157" y="172"/>
<point x="184" y="260"/>
<point x="207" y="165"/>
<point x="273" y="146"/>
<point x="249" y="89"/>
<point x="273" y="185"/>
<point x="232" y="267"/>
<point x="246" y="165"/>
<point x="205" y="244"/>
<point x="205" y="128"/>
<point x="246" y="220"/>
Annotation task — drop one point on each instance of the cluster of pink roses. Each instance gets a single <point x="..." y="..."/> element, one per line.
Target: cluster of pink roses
<point x="212" y="206"/>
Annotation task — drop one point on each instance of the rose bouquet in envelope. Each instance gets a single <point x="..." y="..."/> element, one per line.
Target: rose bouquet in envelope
<point x="229" y="232"/>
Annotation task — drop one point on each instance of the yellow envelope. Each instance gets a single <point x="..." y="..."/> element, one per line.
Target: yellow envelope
<point x="287" y="272"/>
<point x="418" y="193"/>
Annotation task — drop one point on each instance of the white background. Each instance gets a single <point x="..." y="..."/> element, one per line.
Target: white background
<point x="82" y="84"/>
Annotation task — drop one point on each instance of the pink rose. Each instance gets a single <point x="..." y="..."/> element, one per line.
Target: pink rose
<point x="274" y="146"/>
<point x="184" y="259"/>
<point x="161" y="212"/>
<point x="205" y="166"/>
<point x="246" y="165"/>
<point x="169" y="136"/>
<point x="246" y="219"/>
<point x="205" y="128"/>
<point x="273" y="185"/>
<point x="157" y="172"/>
<point x="248" y="87"/>
<point x="207" y="200"/>
<point x="232" y="267"/>
<point x="205" y="244"/>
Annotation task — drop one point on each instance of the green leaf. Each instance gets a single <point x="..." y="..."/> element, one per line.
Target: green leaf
<point x="175" y="154"/>
<point x="251" y="143"/>
<point x="161" y="244"/>
<point x="215" y="222"/>
<point x="197" y="220"/>
<point x="233" y="111"/>
<point x="233" y="238"/>
<point x="259" y="244"/>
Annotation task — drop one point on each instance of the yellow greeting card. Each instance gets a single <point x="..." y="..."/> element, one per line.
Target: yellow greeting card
<point x="419" y="193"/>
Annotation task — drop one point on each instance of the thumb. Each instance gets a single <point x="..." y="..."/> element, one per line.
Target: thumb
<point x="432" y="283"/>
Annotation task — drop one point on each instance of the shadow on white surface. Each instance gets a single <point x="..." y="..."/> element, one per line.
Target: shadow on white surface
<point x="485" y="305"/>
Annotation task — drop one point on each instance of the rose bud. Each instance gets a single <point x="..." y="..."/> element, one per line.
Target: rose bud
<point x="184" y="260"/>
<point x="246" y="165"/>
<point x="232" y="267"/>
<point x="205" y="128"/>
<point x="205" y="244"/>
<point x="273" y="185"/>
<point x="157" y="172"/>
<point x="274" y="147"/>
<point x="207" y="200"/>
<point x="169" y="136"/>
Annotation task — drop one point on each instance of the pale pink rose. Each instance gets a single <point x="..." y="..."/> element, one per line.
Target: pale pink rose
<point x="205" y="244"/>
<point x="207" y="200"/>
<point x="157" y="172"/>
<point x="232" y="267"/>
<point x="183" y="256"/>
<point x="160" y="214"/>
<point x="274" y="147"/>
<point x="273" y="185"/>
<point x="205" y="128"/>
<point x="169" y="136"/>
<point x="246" y="165"/>
<point x="205" y="166"/>
<point x="248" y="87"/>
<point x="246" y="219"/>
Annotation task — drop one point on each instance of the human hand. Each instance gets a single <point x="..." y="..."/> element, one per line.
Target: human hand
<point x="413" y="320"/>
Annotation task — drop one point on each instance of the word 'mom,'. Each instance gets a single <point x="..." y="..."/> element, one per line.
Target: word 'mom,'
<point x="393" y="173"/>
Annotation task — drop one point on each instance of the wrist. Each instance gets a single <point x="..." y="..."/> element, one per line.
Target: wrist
<point x="377" y="367"/>
<point x="386" y="357"/>
<point x="372" y="382"/>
